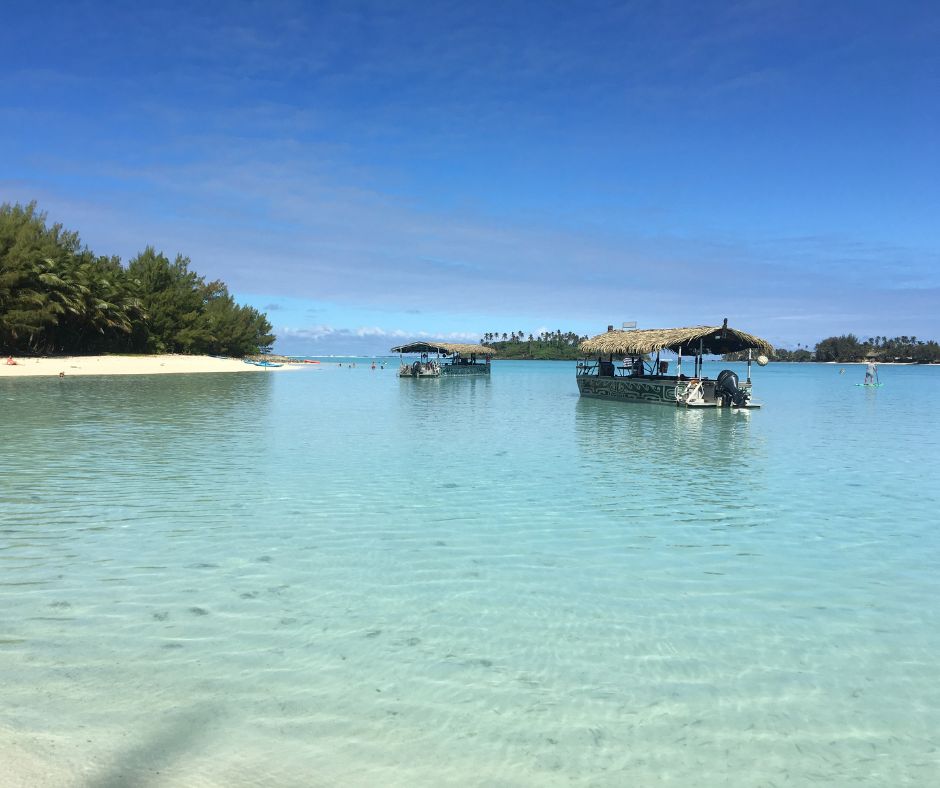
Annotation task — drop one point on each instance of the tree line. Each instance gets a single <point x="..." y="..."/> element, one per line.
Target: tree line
<point x="842" y="349"/>
<point x="546" y="345"/>
<point x="57" y="296"/>
<point x="848" y="348"/>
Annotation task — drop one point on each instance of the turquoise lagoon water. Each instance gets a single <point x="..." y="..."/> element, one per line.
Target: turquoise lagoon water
<point x="333" y="577"/>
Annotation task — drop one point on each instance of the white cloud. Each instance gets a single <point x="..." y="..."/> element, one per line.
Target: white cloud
<point x="325" y="331"/>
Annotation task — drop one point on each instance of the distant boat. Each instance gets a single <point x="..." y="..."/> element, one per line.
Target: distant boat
<point x="462" y="359"/>
<point x="271" y="364"/>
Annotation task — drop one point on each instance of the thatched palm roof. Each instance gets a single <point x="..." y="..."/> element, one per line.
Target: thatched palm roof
<point x="715" y="340"/>
<point x="444" y="348"/>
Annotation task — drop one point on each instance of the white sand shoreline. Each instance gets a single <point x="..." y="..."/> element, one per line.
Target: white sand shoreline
<point x="125" y="365"/>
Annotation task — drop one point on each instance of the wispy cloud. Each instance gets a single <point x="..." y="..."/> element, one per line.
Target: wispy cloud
<point x="328" y="340"/>
<point x="324" y="331"/>
<point x="281" y="227"/>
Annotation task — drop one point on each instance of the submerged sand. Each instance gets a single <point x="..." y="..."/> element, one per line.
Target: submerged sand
<point x="125" y="365"/>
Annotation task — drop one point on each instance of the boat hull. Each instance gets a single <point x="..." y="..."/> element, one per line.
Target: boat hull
<point x="657" y="392"/>
<point x="626" y="390"/>
<point x="453" y="370"/>
<point x="407" y="372"/>
<point x="443" y="370"/>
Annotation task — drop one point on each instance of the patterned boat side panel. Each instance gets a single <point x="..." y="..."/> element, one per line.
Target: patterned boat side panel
<point x="469" y="369"/>
<point x="628" y="390"/>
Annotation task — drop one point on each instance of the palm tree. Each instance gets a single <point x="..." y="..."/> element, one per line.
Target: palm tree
<point x="32" y="298"/>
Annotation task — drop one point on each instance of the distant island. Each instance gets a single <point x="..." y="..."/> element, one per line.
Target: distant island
<point x="563" y="346"/>
<point x="848" y="349"/>
<point x="58" y="297"/>
<point x="547" y="346"/>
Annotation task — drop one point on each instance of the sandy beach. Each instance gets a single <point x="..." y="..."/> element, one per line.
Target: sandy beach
<point x="126" y="365"/>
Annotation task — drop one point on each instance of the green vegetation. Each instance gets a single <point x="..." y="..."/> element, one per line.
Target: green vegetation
<point x="546" y="346"/>
<point x="901" y="349"/>
<point x="56" y="296"/>
<point x="558" y="345"/>
<point x="848" y="348"/>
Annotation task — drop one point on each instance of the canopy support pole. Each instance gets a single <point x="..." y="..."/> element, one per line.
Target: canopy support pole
<point x="748" y="365"/>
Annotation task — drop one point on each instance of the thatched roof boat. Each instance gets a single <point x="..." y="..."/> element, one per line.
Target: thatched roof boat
<point x="715" y="340"/>
<point x="463" y="359"/>
<point x="645" y="379"/>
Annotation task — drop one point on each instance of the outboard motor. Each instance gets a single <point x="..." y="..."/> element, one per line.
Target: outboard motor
<point x="726" y="387"/>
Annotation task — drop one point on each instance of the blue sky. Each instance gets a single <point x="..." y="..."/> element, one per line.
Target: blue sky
<point x="367" y="171"/>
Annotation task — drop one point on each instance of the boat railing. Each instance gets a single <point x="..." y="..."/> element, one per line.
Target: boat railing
<point x="587" y="368"/>
<point x="610" y="369"/>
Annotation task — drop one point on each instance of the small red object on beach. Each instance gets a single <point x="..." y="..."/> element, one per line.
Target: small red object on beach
<point x="11" y="362"/>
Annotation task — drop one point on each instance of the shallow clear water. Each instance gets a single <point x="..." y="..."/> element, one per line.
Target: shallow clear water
<point x="333" y="577"/>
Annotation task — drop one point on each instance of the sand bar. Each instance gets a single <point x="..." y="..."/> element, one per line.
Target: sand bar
<point x="126" y="365"/>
